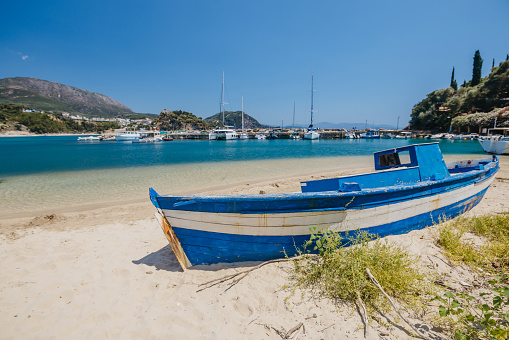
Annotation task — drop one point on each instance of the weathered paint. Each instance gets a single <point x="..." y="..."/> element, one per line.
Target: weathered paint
<point x="174" y="241"/>
<point x="212" y="229"/>
<point x="211" y="247"/>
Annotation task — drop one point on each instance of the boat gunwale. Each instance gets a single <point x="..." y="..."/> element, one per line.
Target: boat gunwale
<point x="325" y="194"/>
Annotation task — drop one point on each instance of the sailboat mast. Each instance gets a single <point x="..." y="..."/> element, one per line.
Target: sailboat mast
<point x="311" y="125"/>
<point x="222" y="99"/>
<point x="242" y="113"/>
<point x="293" y="121"/>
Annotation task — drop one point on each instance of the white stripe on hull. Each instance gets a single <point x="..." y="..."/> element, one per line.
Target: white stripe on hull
<point x="299" y="223"/>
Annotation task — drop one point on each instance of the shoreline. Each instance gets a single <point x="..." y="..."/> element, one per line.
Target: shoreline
<point x="29" y="134"/>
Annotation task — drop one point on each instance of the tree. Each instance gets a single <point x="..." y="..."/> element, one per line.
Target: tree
<point x="454" y="84"/>
<point x="493" y="65"/>
<point x="476" y="73"/>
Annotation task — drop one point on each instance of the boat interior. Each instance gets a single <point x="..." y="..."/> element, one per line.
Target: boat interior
<point x="399" y="166"/>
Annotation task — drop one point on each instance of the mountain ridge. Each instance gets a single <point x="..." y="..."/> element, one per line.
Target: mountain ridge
<point x="47" y="95"/>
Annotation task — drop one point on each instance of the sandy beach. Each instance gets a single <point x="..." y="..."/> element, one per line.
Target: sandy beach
<point x="108" y="272"/>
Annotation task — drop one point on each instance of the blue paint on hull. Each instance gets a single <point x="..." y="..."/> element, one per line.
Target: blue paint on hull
<point x="209" y="247"/>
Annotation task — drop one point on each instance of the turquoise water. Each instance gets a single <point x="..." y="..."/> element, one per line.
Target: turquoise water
<point x="44" y="173"/>
<point x="33" y="155"/>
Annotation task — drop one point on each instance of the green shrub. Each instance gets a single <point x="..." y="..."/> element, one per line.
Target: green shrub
<point x="340" y="272"/>
<point x="469" y="318"/>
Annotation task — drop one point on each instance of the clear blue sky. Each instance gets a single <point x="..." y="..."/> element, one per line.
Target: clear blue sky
<point x="371" y="59"/>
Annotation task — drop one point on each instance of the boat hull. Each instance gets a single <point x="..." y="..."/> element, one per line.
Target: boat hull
<point x="205" y="247"/>
<point x="123" y="138"/>
<point x="498" y="147"/>
<point x="311" y="135"/>
<point x="251" y="228"/>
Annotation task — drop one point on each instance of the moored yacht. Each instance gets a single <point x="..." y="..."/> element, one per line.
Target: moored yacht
<point x="371" y="134"/>
<point x="226" y="133"/>
<point x="127" y="135"/>
<point x="311" y="133"/>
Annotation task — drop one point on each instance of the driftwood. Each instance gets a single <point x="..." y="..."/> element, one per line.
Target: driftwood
<point x="294" y="332"/>
<point x="245" y="272"/>
<point x="394" y="306"/>
<point x="365" y="314"/>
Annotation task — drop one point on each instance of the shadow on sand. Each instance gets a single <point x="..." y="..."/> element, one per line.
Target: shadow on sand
<point x="165" y="259"/>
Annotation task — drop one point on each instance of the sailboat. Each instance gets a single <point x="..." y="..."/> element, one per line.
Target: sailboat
<point x="225" y="133"/>
<point x="311" y="132"/>
<point x="243" y="135"/>
<point x="294" y="135"/>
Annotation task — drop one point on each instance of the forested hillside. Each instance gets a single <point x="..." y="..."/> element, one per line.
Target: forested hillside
<point x="474" y="105"/>
<point x="12" y="118"/>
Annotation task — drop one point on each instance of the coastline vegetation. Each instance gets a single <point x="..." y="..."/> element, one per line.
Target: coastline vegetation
<point x="451" y="107"/>
<point x="339" y="272"/>
<point x="481" y="243"/>
<point x="13" y="117"/>
<point x="491" y="251"/>
<point x="179" y="120"/>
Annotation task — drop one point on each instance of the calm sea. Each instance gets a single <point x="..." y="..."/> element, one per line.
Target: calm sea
<point x="41" y="173"/>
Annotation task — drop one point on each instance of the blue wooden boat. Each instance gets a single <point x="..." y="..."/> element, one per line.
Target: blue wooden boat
<point x="411" y="188"/>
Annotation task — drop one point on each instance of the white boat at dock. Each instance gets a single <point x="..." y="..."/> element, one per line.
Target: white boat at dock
<point x="226" y="132"/>
<point x="404" y="135"/>
<point x="496" y="144"/>
<point x="370" y="134"/>
<point x="127" y="135"/>
<point x="148" y="136"/>
<point x="89" y="138"/>
<point x="311" y="132"/>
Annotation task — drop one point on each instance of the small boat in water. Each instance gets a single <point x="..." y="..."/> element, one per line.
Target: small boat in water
<point x="370" y="134"/>
<point x="411" y="188"/>
<point x="404" y="135"/>
<point x="89" y="138"/>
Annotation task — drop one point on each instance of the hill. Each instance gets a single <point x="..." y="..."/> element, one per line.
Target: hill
<point x="46" y="95"/>
<point x="179" y="120"/>
<point x="12" y="118"/>
<point x="460" y="108"/>
<point x="234" y="119"/>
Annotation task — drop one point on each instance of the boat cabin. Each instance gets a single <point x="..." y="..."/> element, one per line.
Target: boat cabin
<point x="400" y="166"/>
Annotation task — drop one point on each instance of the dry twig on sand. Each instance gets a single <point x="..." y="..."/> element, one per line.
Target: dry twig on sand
<point x="365" y="313"/>
<point x="245" y="272"/>
<point x="394" y="306"/>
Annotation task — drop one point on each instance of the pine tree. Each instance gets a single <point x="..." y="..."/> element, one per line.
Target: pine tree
<point x="492" y="66"/>
<point x="507" y="58"/>
<point x="476" y="73"/>
<point x="454" y="84"/>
